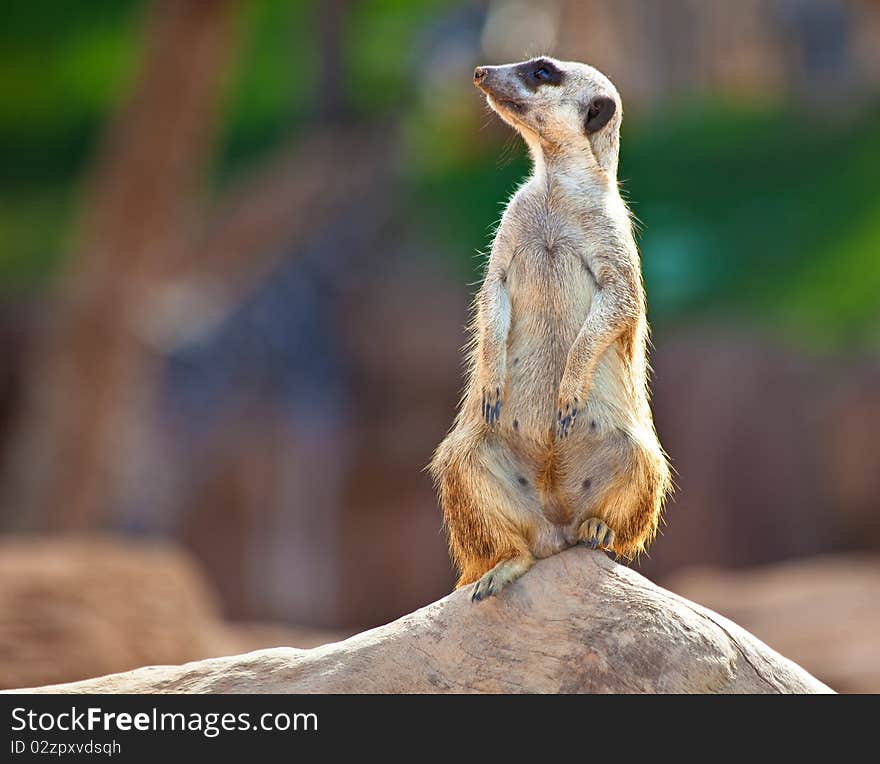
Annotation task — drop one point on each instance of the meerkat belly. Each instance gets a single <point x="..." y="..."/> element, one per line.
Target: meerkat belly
<point x="550" y="299"/>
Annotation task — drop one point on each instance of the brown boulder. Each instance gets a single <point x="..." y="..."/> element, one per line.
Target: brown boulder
<point x="72" y="608"/>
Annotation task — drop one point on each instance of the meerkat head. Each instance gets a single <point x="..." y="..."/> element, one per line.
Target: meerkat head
<point x="557" y="105"/>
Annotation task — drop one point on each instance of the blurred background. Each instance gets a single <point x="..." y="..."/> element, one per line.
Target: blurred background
<point x="238" y="240"/>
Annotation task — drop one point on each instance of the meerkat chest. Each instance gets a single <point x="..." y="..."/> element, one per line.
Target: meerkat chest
<point x="549" y="270"/>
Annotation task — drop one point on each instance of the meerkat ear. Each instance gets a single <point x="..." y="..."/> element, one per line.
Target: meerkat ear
<point x="600" y="110"/>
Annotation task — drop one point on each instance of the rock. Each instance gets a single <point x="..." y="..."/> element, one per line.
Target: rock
<point x="824" y="612"/>
<point x="577" y="622"/>
<point x="72" y="608"/>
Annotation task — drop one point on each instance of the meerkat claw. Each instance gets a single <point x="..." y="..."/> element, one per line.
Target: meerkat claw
<point x="595" y="534"/>
<point x="565" y="421"/>
<point x="504" y="573"/>
<point x="483" y="588"/>
<point x="491" y="407"/>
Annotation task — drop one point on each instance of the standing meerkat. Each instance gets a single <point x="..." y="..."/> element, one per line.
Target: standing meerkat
<point x="554" y="443"/>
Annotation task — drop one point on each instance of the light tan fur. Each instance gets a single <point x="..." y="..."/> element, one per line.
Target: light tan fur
<point x="554" y="442"/>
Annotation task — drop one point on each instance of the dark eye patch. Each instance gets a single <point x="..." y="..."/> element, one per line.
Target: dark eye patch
<point x="540" y="72"/>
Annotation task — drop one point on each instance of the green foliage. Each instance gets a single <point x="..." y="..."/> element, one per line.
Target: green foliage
<point x="380" y="55"/>
<point x="764" y="212"/>
<point x="272" y="87"/>
<point x="61" y="71"/>
<point x="771" y="211"/>
<point x="59" y="74"/>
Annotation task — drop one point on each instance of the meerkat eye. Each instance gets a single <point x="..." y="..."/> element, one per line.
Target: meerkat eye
<point x="538" y="73"/>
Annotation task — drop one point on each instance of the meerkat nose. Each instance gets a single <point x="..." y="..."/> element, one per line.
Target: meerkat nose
<point x="479" y="73"/>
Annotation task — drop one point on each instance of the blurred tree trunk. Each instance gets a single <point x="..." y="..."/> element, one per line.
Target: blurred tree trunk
<point x="153" y="267"/>
<point x="86" y="372"/>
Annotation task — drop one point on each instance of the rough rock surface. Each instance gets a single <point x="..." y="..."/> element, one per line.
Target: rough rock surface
<point x="577" y="622"/>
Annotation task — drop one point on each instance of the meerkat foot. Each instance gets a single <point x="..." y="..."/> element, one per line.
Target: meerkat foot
<point x="504" y="573"/>
<point x="596" y="534"/>
<point x="491" y="405"/>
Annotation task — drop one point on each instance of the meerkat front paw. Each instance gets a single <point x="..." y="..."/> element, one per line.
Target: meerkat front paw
<point x="596" y="534"/>
<point x="568" y="404"/>
<point x="491" y="407"/>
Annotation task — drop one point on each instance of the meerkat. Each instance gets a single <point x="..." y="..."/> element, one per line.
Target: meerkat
<point x="554" y="442"/>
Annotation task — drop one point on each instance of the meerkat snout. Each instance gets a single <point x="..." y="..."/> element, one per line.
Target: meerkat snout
<point x="479" y="73"/>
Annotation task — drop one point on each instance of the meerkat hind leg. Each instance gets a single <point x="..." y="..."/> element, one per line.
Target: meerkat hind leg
<point x="504" y="573"/>
<point x="596" y="534"/>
